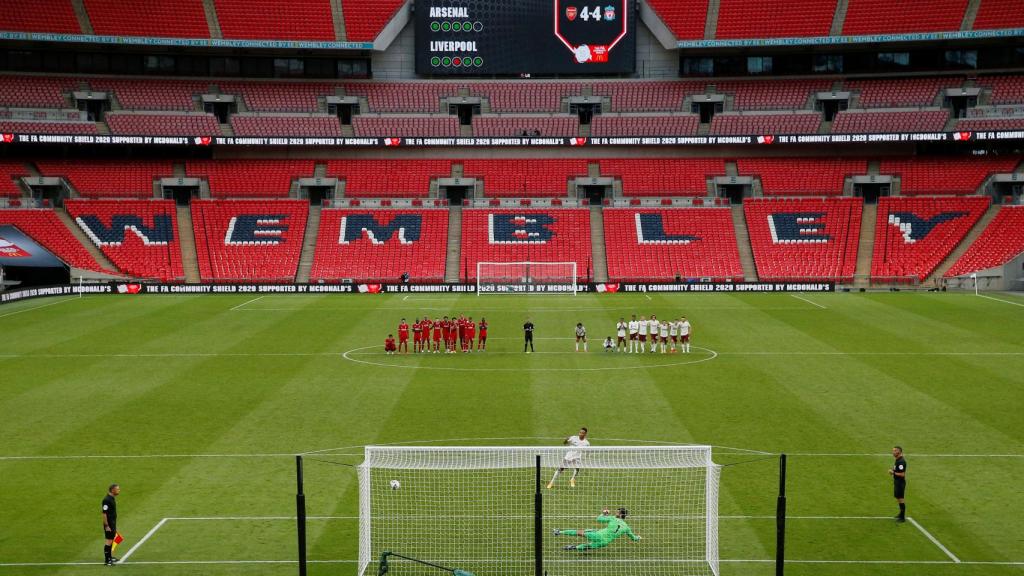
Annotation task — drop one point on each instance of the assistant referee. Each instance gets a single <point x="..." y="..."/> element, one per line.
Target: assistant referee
<point x="110" y="523"/>
<point x="899" y="481"/>
<point x="528" y="336"/>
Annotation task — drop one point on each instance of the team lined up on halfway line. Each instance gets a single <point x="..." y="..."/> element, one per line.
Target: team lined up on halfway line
<point x="449" y="335"/>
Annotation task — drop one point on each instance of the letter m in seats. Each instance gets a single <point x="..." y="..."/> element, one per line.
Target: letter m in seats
<point x="159" y="234"/>
<point x="353" y="227"/>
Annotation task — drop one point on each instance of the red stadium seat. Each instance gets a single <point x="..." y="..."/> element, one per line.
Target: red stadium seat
<point x="881" y="121"/>
<point x="800" y="239"/>
<point x="249" y="240"/>
<point x="914" y="235"/>
<point x="402" y="97"/>
<point x="276" y="19"/>
<point x="250" y="178"/>
<point x="109" y="178"/>
<point x="1005" y="89"/>
<point x="47" y="229"/>
<point x="801" y="176"/>
<point x="32" y="127"/>
<point x="633" y="125"/>
<point x="146" y="245"/>
<point x="994" y="14"/>
<point x="534" y="177"/>
<point x="900" y="92"/>
<point x="394" y="178"/>
<point x="906" y="16"/>
<point x="957" y="175"/>
<point x="647" y="96"/>
<point x="365" y="20"/>
<point x="986" y="124"/>
<point x="663" y="176"/>
<point x="35" y="91"/>
<point x="522" y="97"/>
<point x="519" y="235"/>
<point x="9" y="170"/>
<point x="748" y="124"/>
<point x="774" y="18"/>
<point x="771" y="94"/>
<point x="55" y="16"/>
<point x="685" y="18"/>
<point x="516" y="125"/>
<point x="263" y="125"/>
<point x="151" y="94"/>
<point x="349" y="245"/>
<point x="188" y="124"/>
<point x="156" y="18"/>
<point x="654" y="245"/>
<point x="1001" y="241"/>
<point x="412" y="126"/>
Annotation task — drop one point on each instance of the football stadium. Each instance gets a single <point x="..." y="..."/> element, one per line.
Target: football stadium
<point x="512" y="288"/>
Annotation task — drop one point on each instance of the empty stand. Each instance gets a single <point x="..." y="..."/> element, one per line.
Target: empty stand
<point x="804" y="238"/>
<point x="500" y="235"/>
<point x="9" y="170"/>
<point x="774" y="18"/>
<point x="876" y="121"/>
<point x="381" y="245"/>
<point x="647" y="96"/>
<point x="914" y="235"/>
<point x="263" y="125"/>
<point x="650" y="245"/>
<point x="40" y="16"/>
<point x="633" y="125"/>
<point x="906" y="16"/>
<point x="901" y="92"/>
<point x="109" y="178"/>
<point x="365" y="20"/>
<point x="1005" y="89"/>
<point x="685" y="18"/>
<point x="663" y="176"/>
<point x="185" y="124"/>
<point x="415" y="126"/>
<point x="151" y="94"/>
<point x="801" y="176"/>
<point x="531" y="125"/>
<point x="276" y="19"/>
<point x="245" y="240"/>
<point x="955" y="175"/>
<point x="1001" y="241"/>
<point x="531" y="177"/>
<point x="158" y="18"/>
<point x="46" y="228"/>
<point x="748" y="124"/>
<point x="35" y="91"/>
<point x="392" y="178"/>
<point x="402" y="97"/>
<point x="771" y="94"/>
<point x="250" y="178"/>
<point x="139" y="236"/>
<point x="523" y="97"/>
<point x="999" y="14"/>
<point x="26" y="127"/>
<point x="984" y="124"/>
<point x="280" y="96"/>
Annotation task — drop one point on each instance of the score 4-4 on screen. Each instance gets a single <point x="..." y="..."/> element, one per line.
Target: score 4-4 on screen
<point x="512" y="38"/>
<point x="591" y="32"/>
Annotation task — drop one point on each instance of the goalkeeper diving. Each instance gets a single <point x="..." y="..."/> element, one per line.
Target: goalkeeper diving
<point x="614" y="526"/>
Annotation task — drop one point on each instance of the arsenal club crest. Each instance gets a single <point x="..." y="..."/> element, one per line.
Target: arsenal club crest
<point x="570" y="13"/>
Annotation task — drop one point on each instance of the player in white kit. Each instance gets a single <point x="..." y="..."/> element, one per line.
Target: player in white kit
<point x="655" y="329"/>
<point x="663" y="336"/>
<point x="572" y="458"/>
<point x="673" y="333"/>
<point x="641" y="343"/>
<point x="634" y="329"/>
<point x="684" y="335"/>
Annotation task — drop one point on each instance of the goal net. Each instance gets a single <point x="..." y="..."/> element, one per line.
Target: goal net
<point x="526" y="277"/>
<point x="474" y="509"/>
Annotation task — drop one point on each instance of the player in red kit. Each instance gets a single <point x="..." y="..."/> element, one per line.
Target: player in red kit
<point x="424" y="333"/>
<point x="470" y="333"/>
<point x="462" y="332"/>
<point x="453" y="333"/>
<point x="417" y="335"/>
<point x="436" y="325"/>
<point x="403" y="337"/>
<point x="446" y="326"/>
<point x="481" y="343"/>
<point x="389" y="344"/>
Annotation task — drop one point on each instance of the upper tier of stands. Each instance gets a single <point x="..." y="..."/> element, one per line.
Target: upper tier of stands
<point x="365" y="20"/>
<point x="527" y="235"/>
<point x="139" y="236"/>
<point x="804" y="238"/>
<point x="276" y="19"/>
<point x="663" y="176"/>
<point x="994" y="14"/>
<point x="396" y="178"/>
<point x="801" y="176"/>
<point x="652" y="245"/>
<point x="905" y="16"/>
<point x="533" y="177"/>
<point x="686" y="18"/>
<point x="249" y="239"/>
<point x="39" y="16"/>
<point x="774" y="18"/>
<point x="914" y="235"/>
<point x="249" y="178"/>
<point x="1001" y="241"/>
<point x="47" y="229"/>
<point x="381" y="245"/>
<point x="158" y="18"/>
<point x="109" y="178"/>
<point x="957" y="175"/>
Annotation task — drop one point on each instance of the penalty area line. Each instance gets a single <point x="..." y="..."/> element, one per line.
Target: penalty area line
<point x="249" y="302"/>
<point x="808" y="301"/>
<point x="979" y="296"/>
<point x="142" y="541"/>
<point x="934" y="540"/>
<point x="41" y="306"/>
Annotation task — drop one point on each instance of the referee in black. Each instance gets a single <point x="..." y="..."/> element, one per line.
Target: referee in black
<point x="110" y="523"/>
<point x="528" y="336"/>
<point x="899" y="481"/>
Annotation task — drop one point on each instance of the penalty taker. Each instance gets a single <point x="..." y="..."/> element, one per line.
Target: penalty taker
<point x="614" y="527"/>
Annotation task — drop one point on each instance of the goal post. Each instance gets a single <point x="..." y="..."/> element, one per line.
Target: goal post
<point x="526" y="278"/>
<point x="478" y="509"/>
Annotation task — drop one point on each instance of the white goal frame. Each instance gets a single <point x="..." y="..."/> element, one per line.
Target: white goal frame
<point x="413" y="463"/>
<point x="525" y="283"/>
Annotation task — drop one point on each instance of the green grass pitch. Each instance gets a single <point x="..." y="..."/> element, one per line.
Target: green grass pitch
<point x="197" y="404"/>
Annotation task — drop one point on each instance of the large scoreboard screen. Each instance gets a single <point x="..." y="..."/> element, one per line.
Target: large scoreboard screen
<point x="512" y="37"/>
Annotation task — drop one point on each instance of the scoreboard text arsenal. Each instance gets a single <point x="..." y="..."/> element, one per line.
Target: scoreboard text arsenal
<point x="485" y="37"/>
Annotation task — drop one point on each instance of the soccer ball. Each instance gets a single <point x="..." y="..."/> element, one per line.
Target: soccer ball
<point x="395" y="484"/>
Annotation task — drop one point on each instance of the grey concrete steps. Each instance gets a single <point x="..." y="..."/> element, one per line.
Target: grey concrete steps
<point x="309" y="245"/>
<point x="599" y="260"/>
<point x="936" y="276"/>
<point x="865" y="245"/>
<point x="739" y="224"/>
<point x="187" y="240"/>
<point x="453" y="264"/>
